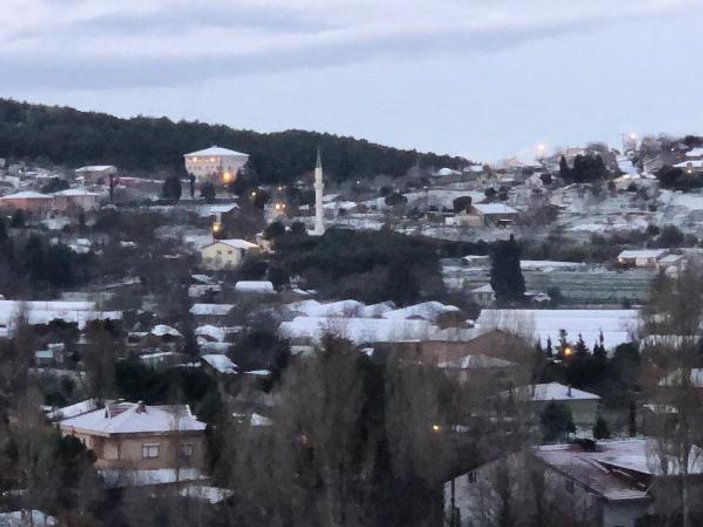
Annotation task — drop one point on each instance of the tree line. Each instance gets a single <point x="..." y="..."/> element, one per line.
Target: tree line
<point x="141" y="145"/>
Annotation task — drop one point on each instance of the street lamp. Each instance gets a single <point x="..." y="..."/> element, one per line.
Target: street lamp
<point x="227" y="177"/>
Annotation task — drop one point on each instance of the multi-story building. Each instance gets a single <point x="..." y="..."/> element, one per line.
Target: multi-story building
<point x="215" y="163"/>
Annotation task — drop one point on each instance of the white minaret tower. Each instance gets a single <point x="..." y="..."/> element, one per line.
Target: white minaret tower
<point x="319" y="229"/>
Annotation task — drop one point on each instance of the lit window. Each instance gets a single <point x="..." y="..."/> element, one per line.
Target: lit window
<point x="187" y="449"/>
<point x="150" y="450"/>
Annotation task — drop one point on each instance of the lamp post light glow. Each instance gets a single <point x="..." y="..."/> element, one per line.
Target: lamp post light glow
<point x="227" y="177"/>
<point x="568" y="351"/>
<point x="216" y="227"/>
<point x="436" y="428"/>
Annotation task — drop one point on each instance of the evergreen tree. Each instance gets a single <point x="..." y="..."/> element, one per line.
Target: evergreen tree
<point x="581" y="347"/>
<point x="601" y="429"/>
<point x="557" y="422"/>
<point x="171" y="189"/>
<point x="564" y="170"/>
<point x="506" y="276"/>
<point x="548" y="350"/>
<point x="208" y="191"/>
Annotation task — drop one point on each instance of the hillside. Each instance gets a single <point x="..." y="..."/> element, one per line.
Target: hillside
<point x="142" y="145"/>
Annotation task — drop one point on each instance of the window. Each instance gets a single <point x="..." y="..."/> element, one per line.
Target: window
<point x="150" y="450"/>
<point x="219" y="252"/>
<point x="230" y="251"/>
<point x="187" y="449"/>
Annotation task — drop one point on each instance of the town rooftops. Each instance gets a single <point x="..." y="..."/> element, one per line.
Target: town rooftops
<point x="200" y="310"/>
<point x="554" y="391"/>
<point x="641" y="253"/>
<point x="26" y="194"/>
<point x="220" y="363"/>
<point x="95" y="168"/>
<point x="494" y="208"/>
<point x="215" y="151"/>
<point x="235" y="243"/>
<point x="134" y="418"/>
<point x="70" y="192"/>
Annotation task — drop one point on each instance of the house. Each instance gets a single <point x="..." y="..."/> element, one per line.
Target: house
<point x="210" y="313"/>
<point x="647" y="258"/>
<point x="605" y="484"/>
<point x="484" y="295"/>
<point x="135" y="443"/>
<point x="583" y="405"/>
<point x="486" y="214"/>
<point x="29" y="201"/>
<point x="226" y="254"/>
<point x="215" y="163"/>
<point x="75" y="199"/>
<point x="96" y="174"/>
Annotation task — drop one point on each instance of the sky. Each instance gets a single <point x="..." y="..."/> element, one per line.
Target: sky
<point x="485" y="79"/>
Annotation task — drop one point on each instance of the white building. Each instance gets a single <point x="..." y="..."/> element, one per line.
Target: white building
<point x="226" y="254"/>
<point x="215" y="162"/>
<point x="641" y="257"/>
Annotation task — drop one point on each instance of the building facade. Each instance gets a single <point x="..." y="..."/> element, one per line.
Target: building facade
<point x="215" y="164"/>
<point x="226" y="254"/>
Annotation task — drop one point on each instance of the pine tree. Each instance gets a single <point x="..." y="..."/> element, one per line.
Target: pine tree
<point x="564" y="170"/>
<point x="506" y="275"/>
<point x="548" y="350"/>
<point x="171" y="189"/>
<point x="601" y="430"/>
<point x="581" y="347"/>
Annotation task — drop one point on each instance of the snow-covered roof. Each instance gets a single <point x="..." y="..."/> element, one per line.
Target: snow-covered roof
<point x="427" y="310"/>
<point x="210" y="332"/>
<point x="597" y="468"/>
<point x="220" y="363"/>
<point x="695" y="152"/>
<point x="486" y="288"/>
<point x="692" y="163"/>
<point x="617" y="325"/>
<point x="215" y="151"/>
<point x="553" y="391"/>
<point x="494" y="208"/>
<point x="234" y="243"/>
<point x="675" y="378"/>
<point x="211" y="494"/>
<point x="642" y="253"/>
<point x="27" y="194"/>
<point x="358" y="330"/>
<point x="162" y="330"/>
<point x="219" y="310"/>
<point x="76" y="192"/>
<point x="254" y="286"/>
<point x="43" y="312"/>
<point x="95" y="168"/>
<point x="135" y="418"/>
<point x="73" y="410"/>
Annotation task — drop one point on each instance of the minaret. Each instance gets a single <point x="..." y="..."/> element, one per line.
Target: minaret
<point x="319" y="229"/>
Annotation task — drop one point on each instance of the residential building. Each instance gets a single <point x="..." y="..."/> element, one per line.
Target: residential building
<point x="605" y="484"/>
<point x="214" y="163"/>
<point x="29" y="201"/>
<point x="152" y="443"/>
<point x="226" y="254"/>
<point x="96" y="174"/>
<point x="75" y="200"/>
<point x="647" y="258"/>
<point x="486" y="214"/>
<point x="582" y="405"/>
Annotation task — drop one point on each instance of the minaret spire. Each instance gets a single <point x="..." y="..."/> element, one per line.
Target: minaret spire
<point x="319" y="229"/>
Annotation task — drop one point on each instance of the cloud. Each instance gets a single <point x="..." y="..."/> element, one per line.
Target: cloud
<point x="99" y="44"/>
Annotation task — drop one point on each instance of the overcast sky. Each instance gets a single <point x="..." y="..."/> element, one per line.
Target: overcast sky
<point x="481" y="78"/>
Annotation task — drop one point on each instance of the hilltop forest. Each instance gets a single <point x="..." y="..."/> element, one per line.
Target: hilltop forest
<point x="146" y="145"/>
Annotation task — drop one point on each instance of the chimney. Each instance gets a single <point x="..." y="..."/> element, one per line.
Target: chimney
<point x="141" y="407"/>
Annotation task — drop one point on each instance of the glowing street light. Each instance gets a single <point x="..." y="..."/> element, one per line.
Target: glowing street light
<point x="216" y="227"/>
<point x="436" y="428"/>
<point x="227" y="177"/>
<point x="541" y="148"/>
<point x="568" y="351"/>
